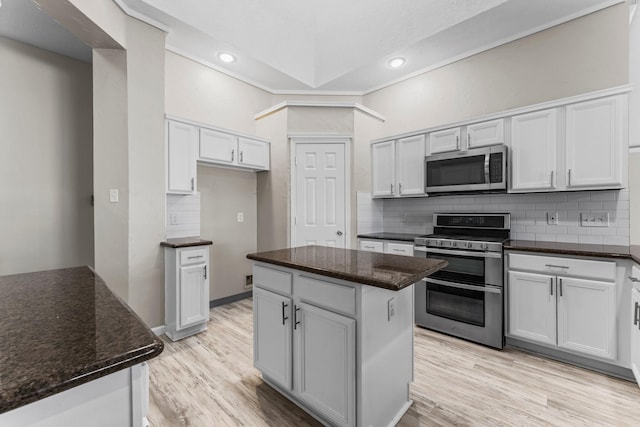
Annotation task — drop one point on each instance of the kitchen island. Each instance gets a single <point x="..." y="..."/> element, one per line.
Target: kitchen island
<point x="333" y="330"/>
<point x="71" y="352"/>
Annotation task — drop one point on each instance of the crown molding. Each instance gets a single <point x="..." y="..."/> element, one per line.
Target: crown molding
<point x="287" y="104"/>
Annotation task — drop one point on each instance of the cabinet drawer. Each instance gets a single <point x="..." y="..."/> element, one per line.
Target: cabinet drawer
<point x="602" y="270"/>
<point x="329" y="295"/>
<point x="193" y="256"/>
<point x="275" y="280"/>
<point x="371" y="245"/>
<point x="399" y="249"/>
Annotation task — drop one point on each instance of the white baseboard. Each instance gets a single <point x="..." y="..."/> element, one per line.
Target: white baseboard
<point x="159" y="330"/>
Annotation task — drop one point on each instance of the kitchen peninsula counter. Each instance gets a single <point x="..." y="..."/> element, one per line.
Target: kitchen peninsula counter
<point x="333" y="330"/>
<point x="64" y="331"/>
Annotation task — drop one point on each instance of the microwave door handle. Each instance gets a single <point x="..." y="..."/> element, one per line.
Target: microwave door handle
<point x="487" y="157"/>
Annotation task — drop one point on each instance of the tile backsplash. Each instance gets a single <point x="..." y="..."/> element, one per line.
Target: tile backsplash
<point x="183" y="215"/>
<point x="528" y="214"/>
<point x="369" y="213"/>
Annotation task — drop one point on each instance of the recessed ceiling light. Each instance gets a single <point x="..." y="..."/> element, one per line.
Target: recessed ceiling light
<point x="397" y="62"/>
<point x="226" y="57"/>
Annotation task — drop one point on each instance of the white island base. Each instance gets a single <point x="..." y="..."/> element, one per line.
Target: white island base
<point x="342" y="351"/>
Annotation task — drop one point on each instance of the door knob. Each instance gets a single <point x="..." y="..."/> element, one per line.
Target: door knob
<point x="339" y="233"/>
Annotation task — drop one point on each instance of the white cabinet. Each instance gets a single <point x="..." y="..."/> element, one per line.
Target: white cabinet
<point x="383" y="169"/>
<point x="182" y="143"/>
<point x="635" y="323"/>
<point x="594" y="143"/>
<point x="534" y="144"/>
<point x="575" y="147"/>
<point x="444" y="140"/>
<point x="272" y="336"/>
<point x="580" y="294"/>
<point x="397" y="167"/>
<point x="385" y="246"/>
<point x="485" y="133"/>
<point x="371" y="245"/>
<point x="532" y="306"/>
<point x="325" y="353"/>
<point x="587" y="317"/>
<point x="186" y="290"/>
<point x="226" y="149"/>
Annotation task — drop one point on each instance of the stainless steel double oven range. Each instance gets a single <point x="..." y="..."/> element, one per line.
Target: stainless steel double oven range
<point x="465" y="298"/>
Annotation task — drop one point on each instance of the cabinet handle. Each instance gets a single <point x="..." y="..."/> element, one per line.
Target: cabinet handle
<point x="192" y="184"/>
<point x="368" y="247"/>
<point x="634" y="279"/>
<point x="457" y="142"/>
<point x="468" y="140"/>
<point x="551" y="285"/>
<point x="194" y="257"/>
<point x="205" y="271"/>
<point x="551" y="179"/>
<point x="240" y="156"/>
<point x="399" y="188"/>
<point x="635" y="314"/>
<point x="295" y="316"/>
<point x="391" y="188"/>
<point x="398" y="250"/>
<point x="569" y="183"/>
<point x="284" y="306"/>
<point x="232" y="154"/>
<point x="560" y="287"/>
<point x="555" y="266"/>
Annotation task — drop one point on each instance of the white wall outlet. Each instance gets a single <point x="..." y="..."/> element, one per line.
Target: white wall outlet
<point x="552" y="218"/>
<point x="594" y="219"/>
<point x="240" y="216"/>
<point x="391" y="309"/>
<point x="113" y="195"/>
<point x="173" y="219"/>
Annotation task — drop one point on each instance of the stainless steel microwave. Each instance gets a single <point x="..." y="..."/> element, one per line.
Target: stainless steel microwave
<point x="475" y="170"/>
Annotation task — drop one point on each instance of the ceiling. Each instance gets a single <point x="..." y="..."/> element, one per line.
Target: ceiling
<point x="317" y="46"/>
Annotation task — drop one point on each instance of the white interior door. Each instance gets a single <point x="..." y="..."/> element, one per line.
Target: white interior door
<point x="320" y="195"/>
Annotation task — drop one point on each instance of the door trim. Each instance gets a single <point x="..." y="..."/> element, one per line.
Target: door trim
<point x="345" y="140"/>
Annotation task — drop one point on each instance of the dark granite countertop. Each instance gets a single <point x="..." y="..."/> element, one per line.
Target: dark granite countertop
<point x="577" y="249"/>
<point x="185" y="242"/>
<point x="63" y="328"/>
<point x="387" y="271"/>
<point x="404" y="237"/>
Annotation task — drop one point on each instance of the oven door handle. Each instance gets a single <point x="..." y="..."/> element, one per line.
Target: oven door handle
<point x="489" y="289"/>
<point x="462" y="253"/>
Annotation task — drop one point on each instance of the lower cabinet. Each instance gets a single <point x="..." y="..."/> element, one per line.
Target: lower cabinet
<point x="635" y="325"/>
<point x="386" y="246"/>
<point x="186" y="291"/>
<point x="563" y="311"/>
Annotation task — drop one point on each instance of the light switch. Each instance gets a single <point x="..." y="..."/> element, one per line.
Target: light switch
<point x="240" y="216"/>
<point x="113" y="195"/>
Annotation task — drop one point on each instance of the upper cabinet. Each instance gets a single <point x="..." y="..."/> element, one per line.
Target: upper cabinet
<point x="182" y="143"/>
<point x="485" y="133"/>
<point x="188" y="144"/>
<point x="580" y="146"/>
<point x="398" y="167"/>
<point x="444" y="140"/>
<point x="595" y="144"/>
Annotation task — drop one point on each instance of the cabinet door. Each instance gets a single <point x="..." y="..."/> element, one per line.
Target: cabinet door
<point x="533" y="151"/>
<point x="272" y="350"/>
<point x="383" y="170"/>
<point x="595" y="144"/>
<point x="411" y="152"/>
<point x="485" y="133"/>
<point x="218" y="147"/>
<point x="325" y="355"/>
<point x="404" y="249"/>
<point x="371" y="245"/>
<point x="444" y="140"/>
<point x="532" y="307"/>
<point x="181" y="158"/>
<point x="587" y="317"/>
<point x="253" y="153"/>
<point x="193" y="296"/>
<point x="635" y="334"/>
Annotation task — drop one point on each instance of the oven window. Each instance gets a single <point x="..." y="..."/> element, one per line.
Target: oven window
<point x="461" y="269"/>
<point x="456" y="304"/>
<point x="461" y="171"/>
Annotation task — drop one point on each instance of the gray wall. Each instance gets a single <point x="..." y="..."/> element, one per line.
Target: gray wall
<point x="46" y="220"/>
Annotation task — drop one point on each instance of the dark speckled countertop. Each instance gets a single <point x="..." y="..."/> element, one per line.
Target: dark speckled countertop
<point x="185" y="242"/>
<point x="403" y="237"/>
<point x="63" y="328"/>
<point x="387" y="271"/>
<point x="577" y="249"/>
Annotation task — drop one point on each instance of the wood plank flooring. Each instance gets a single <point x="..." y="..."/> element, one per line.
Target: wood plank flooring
<point x="209" y="380"/>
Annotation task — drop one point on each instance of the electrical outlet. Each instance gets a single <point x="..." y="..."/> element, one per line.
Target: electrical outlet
<point x="113" y="195"/>
<point x="391" y="309"/>
<point x="594" y="219"/>
<point x="552" y="218"/>
<point x="240" y="216"/>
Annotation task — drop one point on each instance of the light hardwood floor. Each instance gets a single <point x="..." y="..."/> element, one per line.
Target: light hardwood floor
<point x="209" y="380"/>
